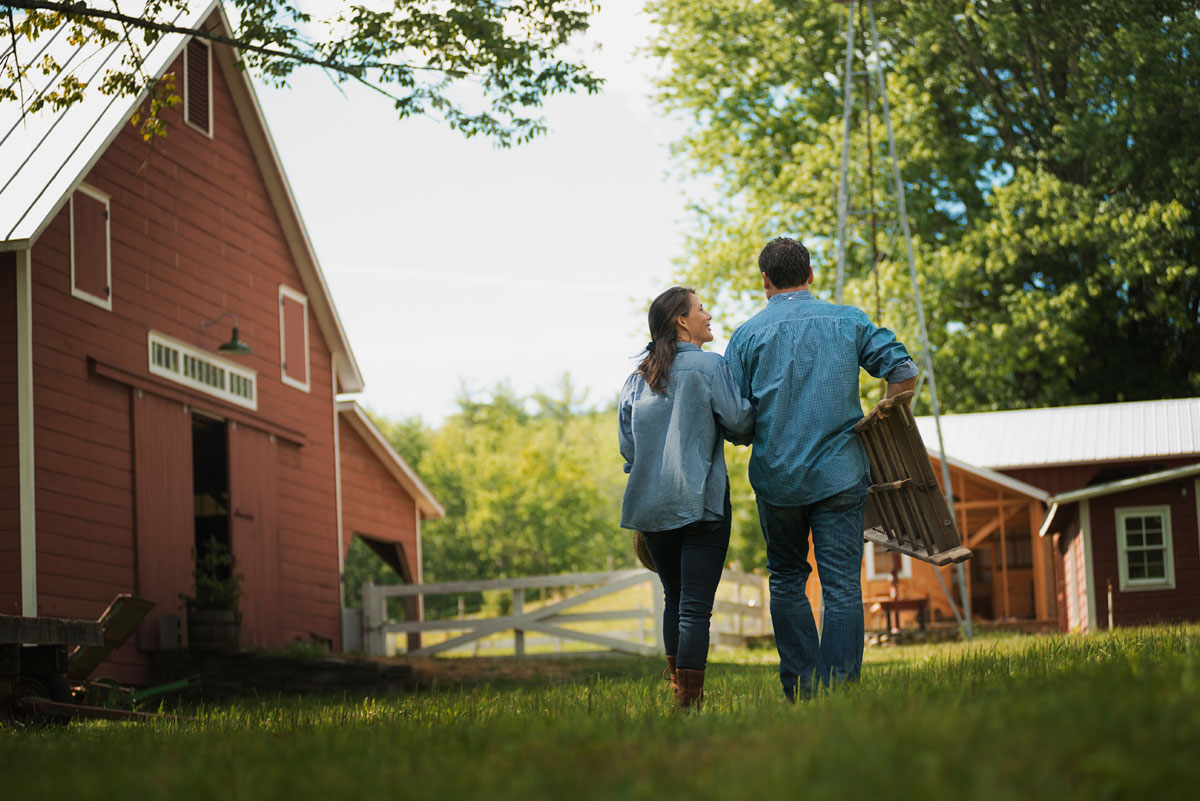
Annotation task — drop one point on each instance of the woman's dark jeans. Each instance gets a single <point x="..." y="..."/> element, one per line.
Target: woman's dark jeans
<point x="689" y="561"/>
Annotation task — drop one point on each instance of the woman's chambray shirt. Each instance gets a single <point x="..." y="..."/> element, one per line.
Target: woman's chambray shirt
<point x="672" y="443"/>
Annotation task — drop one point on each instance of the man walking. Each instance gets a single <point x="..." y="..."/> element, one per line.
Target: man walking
<point x="798" y="362"/>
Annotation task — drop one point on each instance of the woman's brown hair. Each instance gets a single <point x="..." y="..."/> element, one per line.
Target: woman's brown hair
<point x="668" y="307"/>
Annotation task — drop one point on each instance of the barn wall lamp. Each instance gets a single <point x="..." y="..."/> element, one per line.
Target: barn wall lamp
<point x="234" y="345"/>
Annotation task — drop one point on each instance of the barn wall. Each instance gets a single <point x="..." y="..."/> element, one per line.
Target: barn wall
<point x="373" y="504"/>
<point x="194" y="235"/>
<point x="10" y="503"/>
<point x="1135" y="607"/>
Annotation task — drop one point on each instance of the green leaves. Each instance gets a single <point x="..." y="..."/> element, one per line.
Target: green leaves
<point x="530" y="486"/>
<point x="1051" y="160"/>
<point x="479" y="66"/>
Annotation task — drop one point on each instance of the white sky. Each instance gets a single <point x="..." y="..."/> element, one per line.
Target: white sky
<point x="452" y="261"/>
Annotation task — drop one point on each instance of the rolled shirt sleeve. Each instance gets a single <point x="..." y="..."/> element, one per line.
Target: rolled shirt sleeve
<point x="881" y="354"/>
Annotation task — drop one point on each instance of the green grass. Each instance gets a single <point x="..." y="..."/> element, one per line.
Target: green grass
<point x="1104" y="717"/>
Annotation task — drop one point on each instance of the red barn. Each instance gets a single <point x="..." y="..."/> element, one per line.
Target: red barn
<point x="132" y="431"/>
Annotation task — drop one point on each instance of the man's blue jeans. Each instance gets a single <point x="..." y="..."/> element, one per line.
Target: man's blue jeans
<point x="837" y="536"/>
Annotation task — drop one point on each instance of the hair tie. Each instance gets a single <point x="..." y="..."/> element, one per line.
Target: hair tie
<point x="650" y="347"/>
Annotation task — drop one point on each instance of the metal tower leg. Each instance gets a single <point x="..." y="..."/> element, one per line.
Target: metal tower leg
<point x="898" y="187"/>
<point x="843" y="185"/>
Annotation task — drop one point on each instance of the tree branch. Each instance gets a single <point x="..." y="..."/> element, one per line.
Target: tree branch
<point x="83" y="10"/>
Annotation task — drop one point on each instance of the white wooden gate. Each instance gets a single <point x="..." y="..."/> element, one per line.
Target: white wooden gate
<point x="747" y="616"/>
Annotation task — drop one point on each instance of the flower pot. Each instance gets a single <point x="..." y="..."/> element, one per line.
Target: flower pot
<point x="213" y="630"/>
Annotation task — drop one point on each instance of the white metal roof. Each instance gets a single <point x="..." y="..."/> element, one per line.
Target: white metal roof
<point x="1069" y="434"/>
<point x="44" y="156"/>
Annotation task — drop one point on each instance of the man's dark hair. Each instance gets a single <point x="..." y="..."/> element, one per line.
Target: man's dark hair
<point x="785" y="261"/>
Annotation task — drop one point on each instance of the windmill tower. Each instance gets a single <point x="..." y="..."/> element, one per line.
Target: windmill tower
<point x="875" y="83"/>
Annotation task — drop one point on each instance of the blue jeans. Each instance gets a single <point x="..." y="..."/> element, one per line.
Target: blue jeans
<point x="837" y="536"/>
<point x="689" y="561"/>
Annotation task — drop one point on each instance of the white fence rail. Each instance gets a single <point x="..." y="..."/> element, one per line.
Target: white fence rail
<point x="739" y="613"/>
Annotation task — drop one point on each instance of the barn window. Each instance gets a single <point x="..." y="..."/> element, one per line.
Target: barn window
<point x="202" y="371"/>
<point x="197" y="86"/>
<point x="879" y="563"/>
<point x="1144" y="551"/>
<point x="293" y="338"/>
<point x="91" y="252"/>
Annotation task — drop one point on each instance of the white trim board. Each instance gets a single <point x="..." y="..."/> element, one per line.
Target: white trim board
<point x="1085" y="531"/>
<point x="25" y="433"/>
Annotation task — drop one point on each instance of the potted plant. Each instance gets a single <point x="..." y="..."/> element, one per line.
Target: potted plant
<point x="213" y="620"/>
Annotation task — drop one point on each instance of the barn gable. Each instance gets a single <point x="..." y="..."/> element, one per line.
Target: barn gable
<point x="44" y="157"/>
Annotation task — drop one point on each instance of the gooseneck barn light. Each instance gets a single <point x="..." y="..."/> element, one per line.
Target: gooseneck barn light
<point x="234" y="345"/>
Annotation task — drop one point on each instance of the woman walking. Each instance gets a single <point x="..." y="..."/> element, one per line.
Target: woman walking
<point x="672" y="412"/>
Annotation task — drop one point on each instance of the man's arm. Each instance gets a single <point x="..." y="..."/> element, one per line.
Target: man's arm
<point x="903" y="386"/>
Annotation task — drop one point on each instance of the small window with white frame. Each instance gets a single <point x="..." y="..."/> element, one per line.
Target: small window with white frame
<point x="880" y="561"/>
<point x="197" y="86"/>
<point x="91" y="247"/>
<point x="293" y="338"/>
<point x="1144" y="549"/>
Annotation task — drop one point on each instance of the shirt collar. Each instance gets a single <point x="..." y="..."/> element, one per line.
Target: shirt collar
<point x="799" y="294"/>
<point x="682" y="346"/>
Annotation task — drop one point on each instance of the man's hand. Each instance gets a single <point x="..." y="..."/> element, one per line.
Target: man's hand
<point x="895" y="390"/>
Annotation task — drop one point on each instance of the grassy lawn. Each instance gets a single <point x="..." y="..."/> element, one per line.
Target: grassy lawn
<point x="1103" y="717"/>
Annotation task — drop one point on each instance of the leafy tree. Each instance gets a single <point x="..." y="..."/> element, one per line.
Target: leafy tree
<point x="1051" y="161"/>
<point x="530" y="485"/>
<point x="425" y="56"/>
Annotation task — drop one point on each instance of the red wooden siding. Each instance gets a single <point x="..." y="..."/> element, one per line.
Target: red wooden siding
<point x="253" y="497"/>
<point x="198" y="71"/>
<point x="193" y="234"/>
<point x="10" y="488"/>
<point x="1148" y="605"/>
<point x="89" y="244"/>
<point x="295" y="337"/>
<point x="162" y="443"/>
<point x="375" y="506"/>
<point x="1066" y="478"/>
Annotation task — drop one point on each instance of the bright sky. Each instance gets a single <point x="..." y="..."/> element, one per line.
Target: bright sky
<point x="451" y="261"/>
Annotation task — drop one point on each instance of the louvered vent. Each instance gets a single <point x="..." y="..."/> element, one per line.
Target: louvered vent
<point x="202" y="371"/>
<point x="198" y="92"/>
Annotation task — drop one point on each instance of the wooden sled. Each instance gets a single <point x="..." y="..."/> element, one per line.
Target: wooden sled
<point x="906" y="511"/>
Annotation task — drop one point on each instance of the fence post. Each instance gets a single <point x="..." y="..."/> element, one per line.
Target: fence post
<point x="737" y="599"/>
<point x="518" y="608"/>
<point x="764" y="610"/>
<point x="371" y="619"/>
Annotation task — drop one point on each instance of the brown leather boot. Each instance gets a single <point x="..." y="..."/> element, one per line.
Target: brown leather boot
<point x="669" y="674"/>
<point x="690" y="692"/>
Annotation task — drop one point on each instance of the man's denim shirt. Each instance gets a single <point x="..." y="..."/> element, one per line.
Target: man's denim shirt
<point x="672" y="443"/>
<point x="797" y="361"/>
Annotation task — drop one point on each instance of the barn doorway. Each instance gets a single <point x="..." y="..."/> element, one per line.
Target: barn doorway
<point x="210" y="488"/>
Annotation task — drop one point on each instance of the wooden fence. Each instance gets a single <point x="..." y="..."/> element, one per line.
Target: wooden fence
<point x="740" y="612"/>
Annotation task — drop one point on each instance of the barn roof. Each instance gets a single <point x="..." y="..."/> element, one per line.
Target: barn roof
<point x="45" y="156"/>
<point x="405" y="476"/>
<point x="1070" y="434"/>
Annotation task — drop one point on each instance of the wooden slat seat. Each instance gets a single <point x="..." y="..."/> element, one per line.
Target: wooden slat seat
<point x="906" y="511"/>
